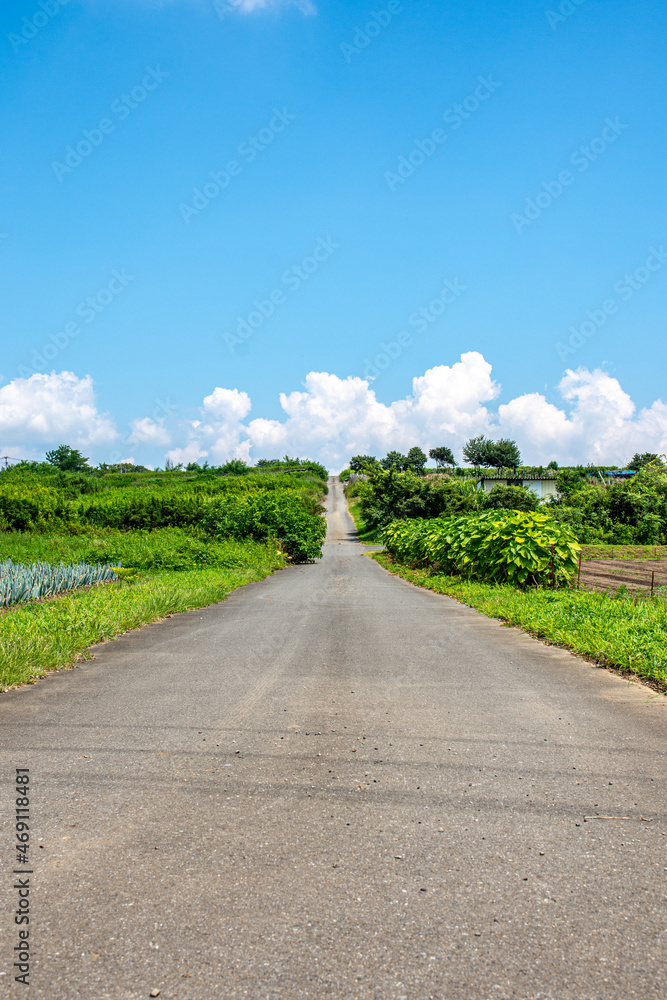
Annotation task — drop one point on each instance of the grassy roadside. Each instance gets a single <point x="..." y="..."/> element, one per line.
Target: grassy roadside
<point x="612" y="633"/>
<point x="54" y="634"/>
<point x="368" y="536"/>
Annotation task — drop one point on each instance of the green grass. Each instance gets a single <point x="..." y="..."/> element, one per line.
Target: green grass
<point x="614" y="633"/>
<point x="369" y="537"/>
<point x="54" y="634"/>
<point x="160" y="549"/>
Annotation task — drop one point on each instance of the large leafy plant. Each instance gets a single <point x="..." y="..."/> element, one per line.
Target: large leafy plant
<point x="520" y="548"/>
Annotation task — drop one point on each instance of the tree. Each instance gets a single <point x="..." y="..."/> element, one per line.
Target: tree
<point x="416" y="460"/>
<point x="235" y="467"/>
<point x="362" y="463"/>
<point x="476" y="451"/>
<point x="67" y="459"/>
<point x="638" y="462"/>
<point x="394" y="460"/>
<point x="552" y="465"/>
<point x="442" y="456"/>
<point x="505" y="454"/>
<point x="502" y="454"/>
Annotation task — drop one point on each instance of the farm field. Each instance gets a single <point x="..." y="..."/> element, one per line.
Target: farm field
<point x="176" y="543"/>
<point x="638" y="574"/>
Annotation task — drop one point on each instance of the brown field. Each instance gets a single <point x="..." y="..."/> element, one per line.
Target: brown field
<point x="632" y="571"/>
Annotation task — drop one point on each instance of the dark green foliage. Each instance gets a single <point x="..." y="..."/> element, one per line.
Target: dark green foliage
<point x="386" y="496"/>
<point x="289" y="518"/>
<point x="476" y="451"/>
<point x="281" y="502"/>
<point x="363" y="463"/>
<point x="626" y="512"/>
<point x="638" y="461"/>
<point x="442" y="456"/>
<point x="395" y="460"/>
<point x="415" y="461"/>
<point x="235" y="468"/>
<point x="510" y="498"/>
<point x="66" y="459"/>
<point x="506" y="454"/>
<point x="502" y="454"/>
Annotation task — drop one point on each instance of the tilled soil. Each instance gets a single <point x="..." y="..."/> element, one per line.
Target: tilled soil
<point x="610" y="574"/>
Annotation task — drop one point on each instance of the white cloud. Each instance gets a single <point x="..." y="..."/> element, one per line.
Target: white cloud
<point x="147" y="431"/>
<point x="332" y="418"/>
<point x="44" y="411"/>
<point x="226" y="7"/>
<point x="601" y="427"/>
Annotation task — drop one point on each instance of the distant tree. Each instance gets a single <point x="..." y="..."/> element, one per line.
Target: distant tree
<point x="638" y="462"/>
<point x="505" y="454"/>
<point x="235" y="467"/>
<point x="552" y="465"/>
<point x="477" y="451"/>
<point x="415" y="461"/>
<point x="67" y="459"/>
<point x="394" y="460"/>
<point x="361" y="463"/>
<point x="442" y="456"/>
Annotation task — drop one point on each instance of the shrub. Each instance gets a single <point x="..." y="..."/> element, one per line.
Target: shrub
<point x="516" y="548"/>
<point x="510" y="498"/>
<point x="291" y="519"/>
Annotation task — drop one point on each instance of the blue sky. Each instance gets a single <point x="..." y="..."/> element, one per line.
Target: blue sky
<point x="365" y="157"/>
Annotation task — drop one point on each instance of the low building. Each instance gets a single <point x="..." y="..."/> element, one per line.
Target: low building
<point x="543" y="486"/>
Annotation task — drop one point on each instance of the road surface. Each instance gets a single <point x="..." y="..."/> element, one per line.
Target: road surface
<point x="336" y="785"/>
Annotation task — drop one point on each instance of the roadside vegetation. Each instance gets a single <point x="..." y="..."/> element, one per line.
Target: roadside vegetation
<point x="175" y="540"/>
<point x="615" y="633"/>
<point x="518" y="558"/>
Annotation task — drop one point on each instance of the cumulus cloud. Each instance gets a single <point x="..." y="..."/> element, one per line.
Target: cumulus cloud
<point x="39" y="412"/>
<point x="601" y="427"/>
<point x="332" y="418"/>
<point x="147" y="431"/>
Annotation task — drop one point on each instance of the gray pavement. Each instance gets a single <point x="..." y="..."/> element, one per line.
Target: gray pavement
<point x="336" y="785"/>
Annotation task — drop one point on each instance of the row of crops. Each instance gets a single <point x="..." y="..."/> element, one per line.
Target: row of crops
<point x="270" y="507"/>
<point x="521" y="549"/>
<point x="157" y="525"/>
<point x="30" y="583"/>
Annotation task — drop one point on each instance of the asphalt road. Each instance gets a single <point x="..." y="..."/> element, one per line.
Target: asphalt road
<point x="336" y="785"/>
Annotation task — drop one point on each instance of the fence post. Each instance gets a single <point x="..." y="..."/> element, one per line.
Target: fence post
<point x="652" y="582"/>
<point x="553" y="569"/>
<point x="579" y="572"/>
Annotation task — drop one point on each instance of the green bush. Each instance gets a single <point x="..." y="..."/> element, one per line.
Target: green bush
<point x="510" y="498"/>
<point x="516" y="548"/>
<point x="388" y="496"/>
<point x="291" y="519"/>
